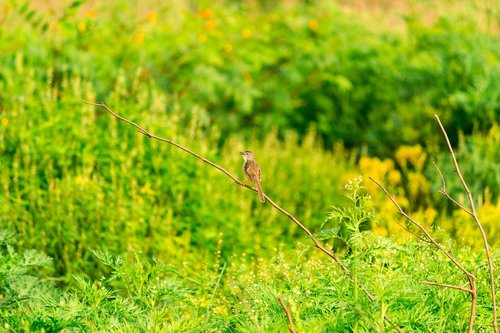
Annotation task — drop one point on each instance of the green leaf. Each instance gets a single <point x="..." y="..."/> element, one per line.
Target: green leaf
<point x="75" y="4"/>
<point x="30" y="14"/>
<point x="23" y="8"/>
<point x="327" y="234"/>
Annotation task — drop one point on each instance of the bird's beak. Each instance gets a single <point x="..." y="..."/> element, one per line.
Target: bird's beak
<point x="241" y="153"/>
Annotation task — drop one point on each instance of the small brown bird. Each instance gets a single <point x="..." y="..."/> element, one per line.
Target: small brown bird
<point x="252" y="171"/>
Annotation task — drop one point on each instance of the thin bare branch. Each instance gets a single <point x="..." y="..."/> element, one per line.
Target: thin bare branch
<point x="288" y="316"/>
<point x="478" y="223"/>
<point x="444" y="192"/>
<point x="152" y="136"/>
<point x="424" y="231"/>
<point x="470" y="277"/>
<point x="445" y="285"/>
<point x="332" y="255"/>
<point x="413" y="233"/>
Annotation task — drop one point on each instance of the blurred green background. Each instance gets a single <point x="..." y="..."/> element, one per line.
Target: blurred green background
<point x="321" y="91"/>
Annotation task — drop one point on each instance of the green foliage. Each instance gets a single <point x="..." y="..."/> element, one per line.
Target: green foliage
<point x="145" y="238"/>
<point x="349" y="221"/>
<point x="136" y="294"/>
<point x="74" y="178"/>
<point x="289" y="68"/>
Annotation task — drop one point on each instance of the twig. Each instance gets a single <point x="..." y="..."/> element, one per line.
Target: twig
<point x="470" y="277"/>
<point x="288" y="316"/>
<point x="451" y="286"/>
<point x="332" y="255"/>
<point x="418" y="225"/>
<point x="152" y="136"/>
<point x="473" y="213"/>
<point x="413" y="233"/>
<point x="444" y="192"/>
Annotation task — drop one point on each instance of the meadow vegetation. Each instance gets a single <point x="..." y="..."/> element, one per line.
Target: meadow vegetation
<point x="102" y="229"/>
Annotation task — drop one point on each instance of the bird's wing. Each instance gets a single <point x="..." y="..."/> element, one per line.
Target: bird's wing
<point x="253" y="172"/>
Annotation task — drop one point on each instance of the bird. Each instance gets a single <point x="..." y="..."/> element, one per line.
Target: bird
<point x="251" y="170"/>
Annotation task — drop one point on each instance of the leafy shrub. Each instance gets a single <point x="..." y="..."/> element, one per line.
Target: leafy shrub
<point x="238" y="293"/>
<point x="252" y="72"/>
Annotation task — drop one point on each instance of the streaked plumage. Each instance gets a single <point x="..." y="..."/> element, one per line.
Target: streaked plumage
<point x="251" y="170"/>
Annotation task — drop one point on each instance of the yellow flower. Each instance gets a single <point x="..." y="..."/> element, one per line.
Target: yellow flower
<point x="5" y="121"/>
<point x="221" y="310"/>
<point x="81" y="26"/>
<point x="210" y="25"/>
<point x="7" y="8"/>
<point x="147" y="190"/>
<point x="425" y="217"/>
<point x="313" y="25"/>
<point x="139" y="37"/>
<point x="246" y="33"/>
<point x="411" y="155"/>
<point x="152" y="17"/>
<point x="92" y="13"/>
<point x="202" y="38"/>
<point x="394" y="177"/>
<point x="207" y="13"/>
<point x="228" y="48"/>
<point x="417" y="183"/>
<point x="380" y="231"/>
<point x="401" y="200"/>
<point x="431" y="214"/>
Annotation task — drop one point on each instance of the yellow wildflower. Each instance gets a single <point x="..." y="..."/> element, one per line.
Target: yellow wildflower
<point x="221" y="310"/>
<point x="394" y="177"/>
<point x="380" y="231"/>
<point x="411" y="155"/>
<point x="5" y="121"/>
<point x="81" y="26"/>
<point x="313" y="25"/>
<point x="246" y="33"/>
<point x="7" y="8"/>
<point x="92" y="13"/>
<point x="417" y="183"/>
<point x="228" y="48"/>
<point x="139" y="37"/>
<point x="206" y="14"/>
<point x="210" y="25"/>
<point x="152" y="17"/>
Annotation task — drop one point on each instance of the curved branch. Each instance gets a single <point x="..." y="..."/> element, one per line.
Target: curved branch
<point x="288" y="316"/>
<point x="474" y="215"/>
<point x="413" y="233"/>
<point x="445" y="285"/>
<point x="332" y="255"/>
<point x="470" y="277"/>
<point x="444" y="192"/>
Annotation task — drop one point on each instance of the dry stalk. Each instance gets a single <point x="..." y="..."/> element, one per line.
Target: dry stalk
<point x="429" y="239"/>
<point x="474" y="215"/>
<point x="288" y="316"/>
<point x="332" y="255"/>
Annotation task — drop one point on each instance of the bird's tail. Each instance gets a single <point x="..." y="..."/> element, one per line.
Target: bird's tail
<point x="262" y="198"/>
